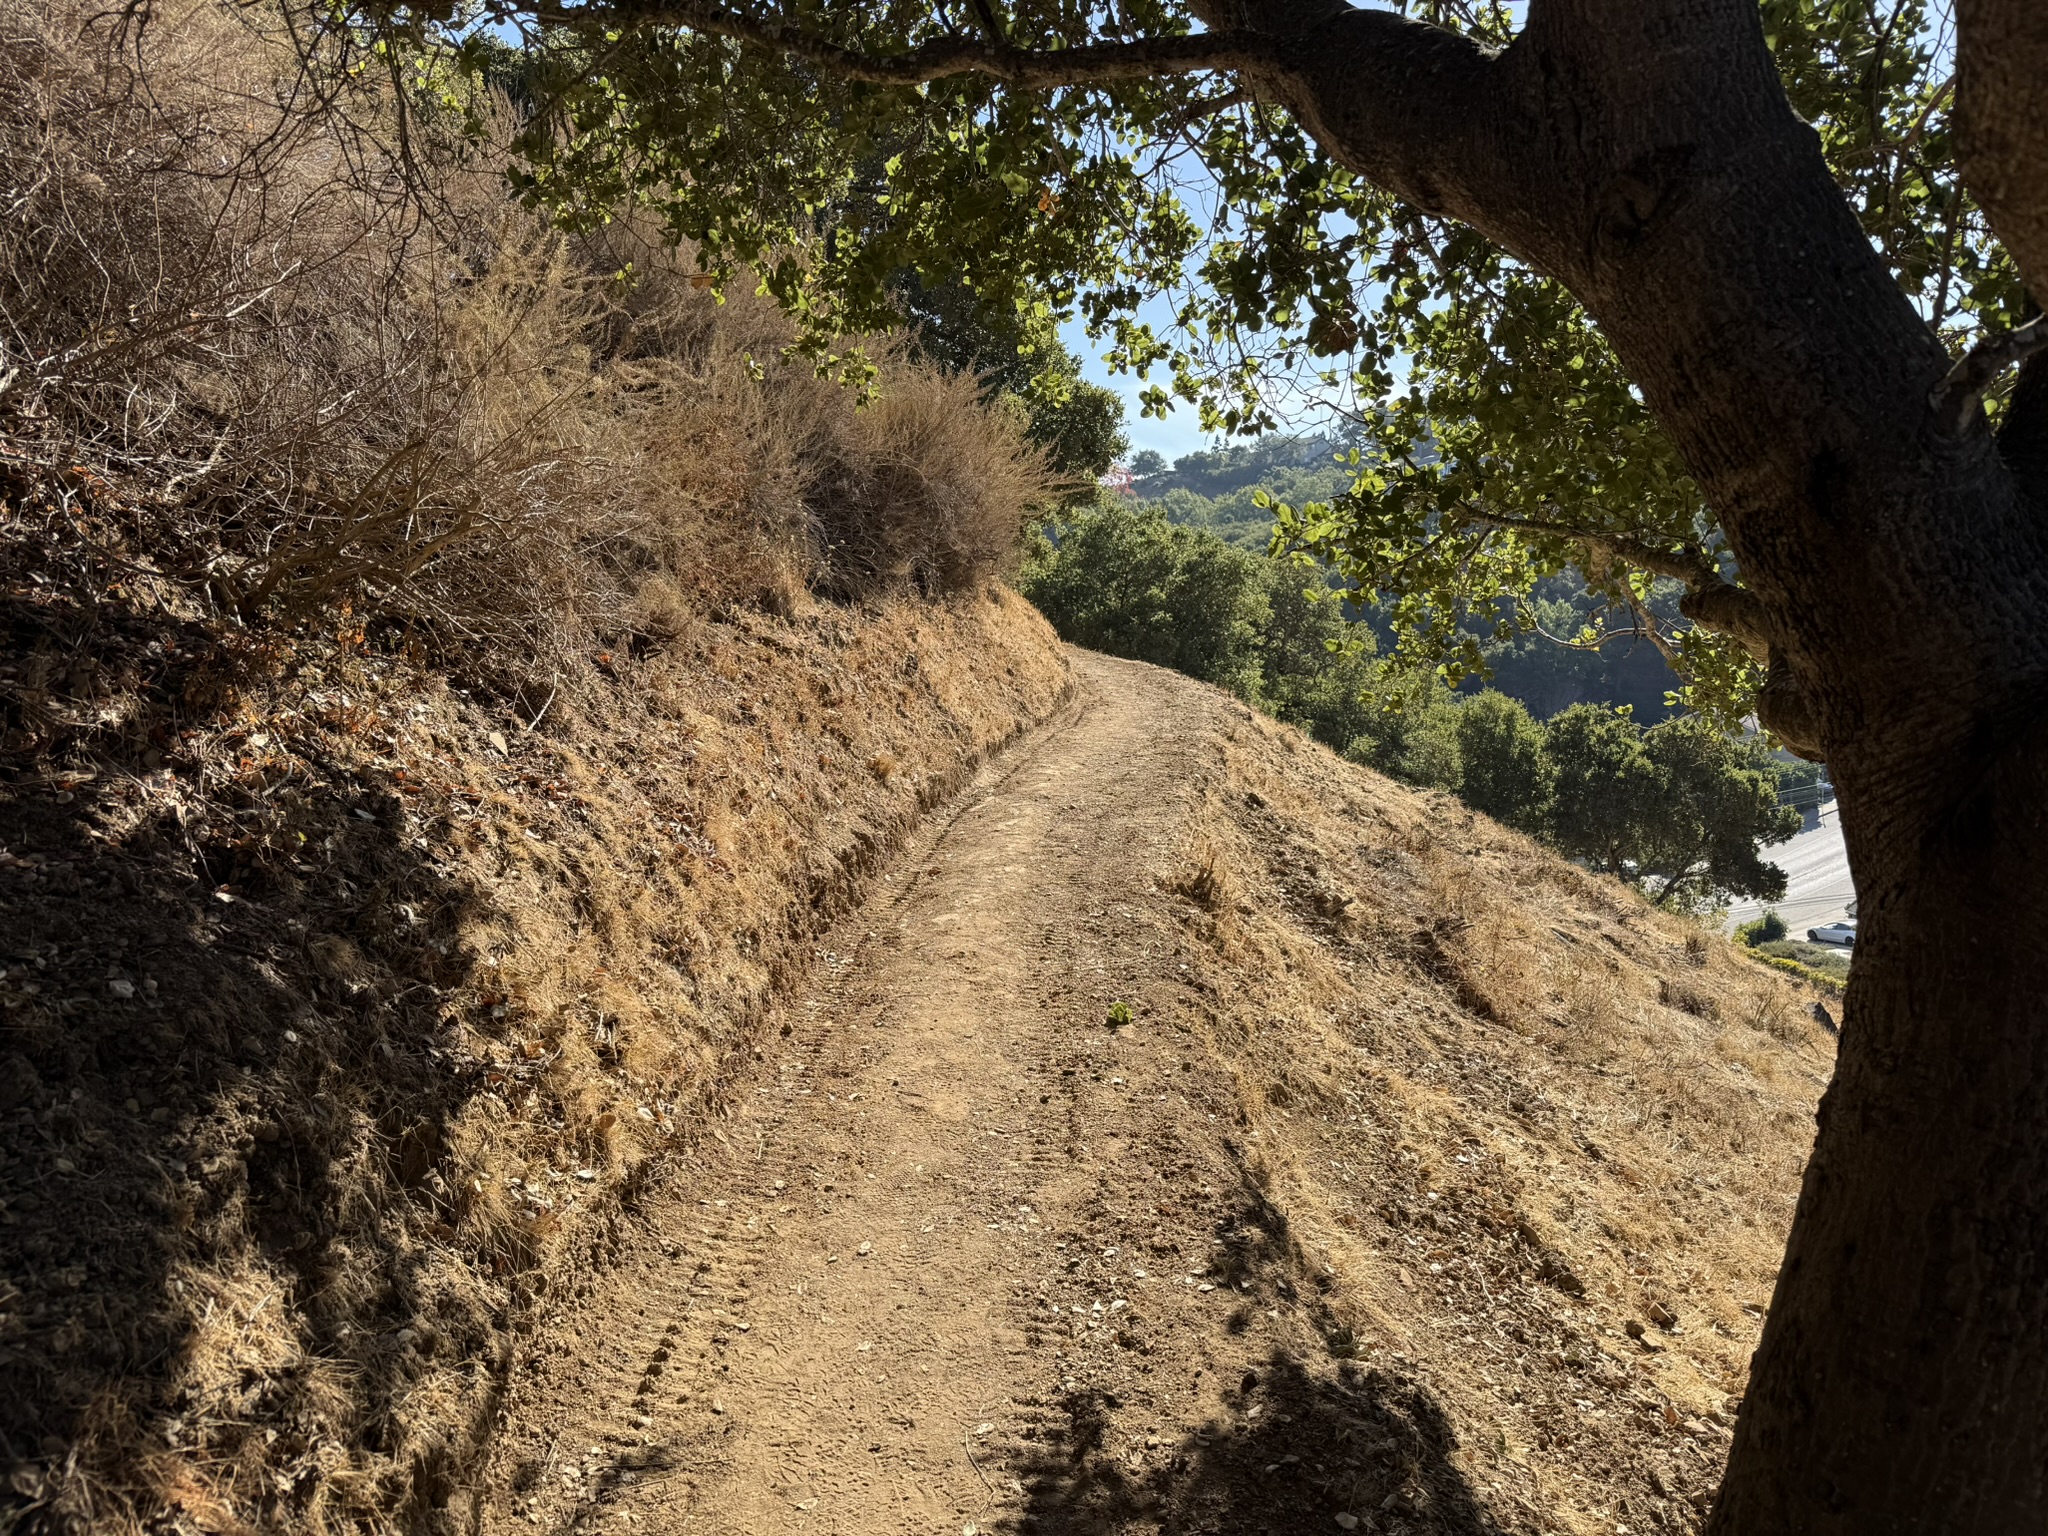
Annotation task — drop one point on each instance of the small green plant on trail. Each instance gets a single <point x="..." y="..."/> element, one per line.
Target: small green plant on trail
<point x="1120" y="1015"/>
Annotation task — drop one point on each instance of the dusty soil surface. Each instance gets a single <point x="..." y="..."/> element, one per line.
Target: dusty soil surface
<point x="340" y="1011"/>
<point x="980" y="1250"/>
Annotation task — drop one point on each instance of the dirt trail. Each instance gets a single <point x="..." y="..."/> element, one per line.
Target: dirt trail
<point x="956" y="1222"/>
<point x="1432" y="1187"/>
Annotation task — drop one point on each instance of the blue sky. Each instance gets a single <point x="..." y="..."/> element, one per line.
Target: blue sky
<point x="1180" y="433"/>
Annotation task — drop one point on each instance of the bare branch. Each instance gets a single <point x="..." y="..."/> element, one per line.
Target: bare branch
<point x="1957" y="396"/>
<point x="1709" y="601"/>
<point x="941" y="58"/>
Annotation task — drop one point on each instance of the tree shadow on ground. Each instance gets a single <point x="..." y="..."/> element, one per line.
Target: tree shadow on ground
<point x="223" y="1054"/>
<point x="1298" y="1452"/>
<point x="1300" y="1446"/>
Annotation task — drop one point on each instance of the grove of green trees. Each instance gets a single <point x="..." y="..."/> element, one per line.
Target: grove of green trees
<point x="1681" y="808"/>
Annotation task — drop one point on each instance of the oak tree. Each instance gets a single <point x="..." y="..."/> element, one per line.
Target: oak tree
<point x="1721" y="291"/>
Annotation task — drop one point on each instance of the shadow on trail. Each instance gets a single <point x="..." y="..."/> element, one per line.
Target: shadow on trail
<point x="1300" y="1447"/>
<point x="1298" y="1451"/>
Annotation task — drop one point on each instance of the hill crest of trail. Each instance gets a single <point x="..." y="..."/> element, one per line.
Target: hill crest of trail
<point x="1433" y="1185"/>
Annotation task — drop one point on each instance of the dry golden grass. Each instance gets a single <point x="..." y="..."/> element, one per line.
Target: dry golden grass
<point x="392" y="1077"/>
<point x="1524" y="1118"/>
<point x="239" y="369"/>
<point x="441" y="698"/>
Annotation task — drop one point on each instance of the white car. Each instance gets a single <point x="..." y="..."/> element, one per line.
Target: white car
<point x="1833" y="933"/>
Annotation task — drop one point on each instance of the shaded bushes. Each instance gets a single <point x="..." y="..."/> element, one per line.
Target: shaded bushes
<point x="1768" y="929"/>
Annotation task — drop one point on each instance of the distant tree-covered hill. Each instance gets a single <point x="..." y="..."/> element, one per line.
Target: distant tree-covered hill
<point x="1213" y="491"/>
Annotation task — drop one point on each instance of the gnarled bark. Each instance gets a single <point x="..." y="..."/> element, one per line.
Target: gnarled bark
<point x="2002" y="124"/>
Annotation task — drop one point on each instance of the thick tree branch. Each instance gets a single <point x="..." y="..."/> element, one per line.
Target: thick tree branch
<point x="1786" y="711"/>
<point x="1961" y="391"/>
<point x="2023" y="433"/>
<point x="941" y="58"/>
<point x="2002" y="124"/>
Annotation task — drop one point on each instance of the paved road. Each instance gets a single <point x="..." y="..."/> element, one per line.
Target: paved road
<point x="1817" y="885"/>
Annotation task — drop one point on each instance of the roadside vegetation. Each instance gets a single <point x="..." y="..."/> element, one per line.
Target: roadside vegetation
<point x="1767" y="938"/>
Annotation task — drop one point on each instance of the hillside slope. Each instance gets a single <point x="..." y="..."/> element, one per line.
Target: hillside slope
<point x="1420" y="1183"/>
<point x="340" y="1025"/>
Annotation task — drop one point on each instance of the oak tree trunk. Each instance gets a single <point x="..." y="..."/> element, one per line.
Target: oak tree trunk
<point x="1643" y="153"/>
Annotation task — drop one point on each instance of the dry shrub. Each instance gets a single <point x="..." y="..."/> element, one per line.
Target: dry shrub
<point x="1686" y="997"/>
<point x="936" y="487"/>
<point x="237" y="366"/>
<point x="1205" y="878"/>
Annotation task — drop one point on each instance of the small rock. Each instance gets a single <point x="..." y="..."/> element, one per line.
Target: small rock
<point x="1662" y="1315"/>
<point x="864" y="1249"/>
<point x="121" y="989"/>
<point x="1632" y="1328"/>
<point x="1347" y="1521"/>
<point x="497" y="740"/>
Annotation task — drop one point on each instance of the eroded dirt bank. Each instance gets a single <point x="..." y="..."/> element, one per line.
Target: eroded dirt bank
<point x="1431" y="1185"/>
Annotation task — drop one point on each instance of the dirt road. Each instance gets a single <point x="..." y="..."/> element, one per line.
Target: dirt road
<point x="954" y="1267"/>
